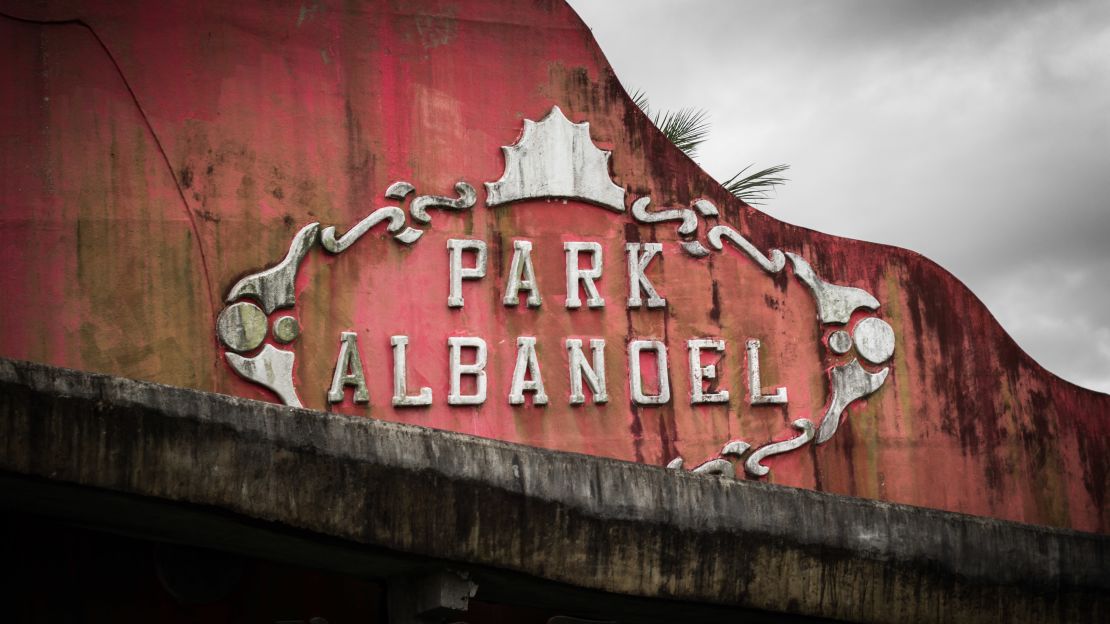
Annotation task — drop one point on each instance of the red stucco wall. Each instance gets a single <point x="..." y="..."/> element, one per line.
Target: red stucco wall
<point x="154" y="154"/>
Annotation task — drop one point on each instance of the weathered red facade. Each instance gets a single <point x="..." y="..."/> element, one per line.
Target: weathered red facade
<point x="153" y="155"/>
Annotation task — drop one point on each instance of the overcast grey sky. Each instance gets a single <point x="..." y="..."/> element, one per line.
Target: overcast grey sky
<point x="976" y="133"/>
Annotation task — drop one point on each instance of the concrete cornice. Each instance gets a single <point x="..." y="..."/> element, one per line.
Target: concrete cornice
<point x="575" y="521"/>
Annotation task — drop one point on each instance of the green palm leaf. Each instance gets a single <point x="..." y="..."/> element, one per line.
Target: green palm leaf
<point x="686" y="128"/>
<point x="689" y="127"/>
<point x="754" y="187"/>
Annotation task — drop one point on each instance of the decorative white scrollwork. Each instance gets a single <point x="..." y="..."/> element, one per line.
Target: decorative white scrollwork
<point x="717" y="467"/>
<point x="273" y="288"/>
<point x="555" y="158"/>
<point x="272" y="368"/>
<point x="849" y="382"/>
<point x="835" y="304"/>
<point x="419" y="206"/>
<point x="688" y="217"/>
<point x="397" y="227"/>
<point x="753" y="466"/>
<point x="242" y="326"/>
<point x="396" y="217"/>
<point x="873" y="337"/>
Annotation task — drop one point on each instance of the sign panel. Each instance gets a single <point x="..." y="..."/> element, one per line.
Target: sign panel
<point x="513" y="336"/>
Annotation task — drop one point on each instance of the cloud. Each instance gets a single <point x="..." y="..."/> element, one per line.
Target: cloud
<point x="1072" y="338"/>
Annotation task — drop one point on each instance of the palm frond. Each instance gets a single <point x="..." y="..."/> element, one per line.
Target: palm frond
<point x="640" y="99"/>
<point x="687" y="128"/>
<point x="753" y="188"/>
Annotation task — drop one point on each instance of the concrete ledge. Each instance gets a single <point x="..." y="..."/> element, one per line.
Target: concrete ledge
<point x="624" y="529"/>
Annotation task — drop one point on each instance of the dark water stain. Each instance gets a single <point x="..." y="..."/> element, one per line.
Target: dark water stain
<point x="715" y="303"/>
<point x="963" y="379"/>
<point x="1096" y="472"/>
<point x="636" y="428"/>
<point x="246" y="189"/>
<point x="667" y="436"/>
<point x="1039" y="429"/>
<point x="498" y="253"/>
<point x="847" y="440"/>
<point x="359" y="159"/>
<point x="186" y="177"/>
<point x="818" y="476"/>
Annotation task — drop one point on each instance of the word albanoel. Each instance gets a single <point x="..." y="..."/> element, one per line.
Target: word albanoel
<point x="528" y="378"/>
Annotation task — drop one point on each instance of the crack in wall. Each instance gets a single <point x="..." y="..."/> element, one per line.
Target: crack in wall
<point x="157" y="142"/>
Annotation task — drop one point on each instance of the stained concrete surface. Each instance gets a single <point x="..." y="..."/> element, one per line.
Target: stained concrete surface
<point x="555" y="522"/>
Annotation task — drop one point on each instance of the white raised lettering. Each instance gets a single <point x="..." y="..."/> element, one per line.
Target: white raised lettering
<point x="348" y="371"/>
<point x="457" y="272"/>
<point x="527" y="365"/>
<point x="585" y="276"/>
<point x="699" y="373"/>
<point x="401" y="397"/>
<point x="637" y="263"/>
<point x="635" y="379"/>
<point x="522" y="276"/>
<point x="754" y="383"/>
<point x="595" y="375"/>
<point x="477" y="369"/>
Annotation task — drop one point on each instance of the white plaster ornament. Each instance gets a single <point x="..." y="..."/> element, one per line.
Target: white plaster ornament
<point x="557" y="159"/>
